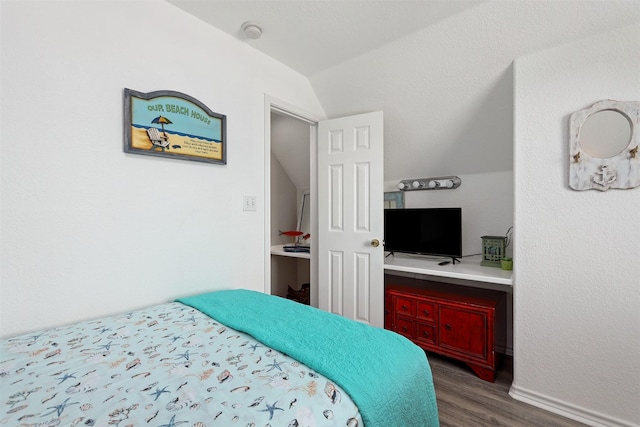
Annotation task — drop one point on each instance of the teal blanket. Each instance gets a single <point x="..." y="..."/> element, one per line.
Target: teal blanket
<point x="386" y="375"/>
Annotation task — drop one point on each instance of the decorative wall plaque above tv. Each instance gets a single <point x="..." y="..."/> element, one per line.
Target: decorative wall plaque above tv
<point x="171" y="124"/>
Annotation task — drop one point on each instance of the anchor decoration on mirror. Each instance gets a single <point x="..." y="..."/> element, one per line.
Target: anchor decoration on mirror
<point x="605" y="177"/>
<point x="604" y="146"/>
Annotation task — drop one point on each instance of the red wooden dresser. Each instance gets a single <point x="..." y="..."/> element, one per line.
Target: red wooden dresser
<point x="451" y="320"/>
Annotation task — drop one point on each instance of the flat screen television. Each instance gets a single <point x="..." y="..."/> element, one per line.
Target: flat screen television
<point x="425" y="231"/>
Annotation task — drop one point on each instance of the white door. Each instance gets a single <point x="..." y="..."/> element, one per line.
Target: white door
<point x="350" y="217"/>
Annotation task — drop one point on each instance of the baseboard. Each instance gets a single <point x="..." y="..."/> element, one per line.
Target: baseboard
<point x="574" y="412"/>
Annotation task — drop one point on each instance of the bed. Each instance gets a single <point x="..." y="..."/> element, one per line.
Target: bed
<point x="225" y="358"/>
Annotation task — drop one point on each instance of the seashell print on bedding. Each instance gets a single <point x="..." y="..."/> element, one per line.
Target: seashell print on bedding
<point x="164" y="365"/>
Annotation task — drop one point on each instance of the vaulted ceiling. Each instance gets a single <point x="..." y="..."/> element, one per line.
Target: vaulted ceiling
<point x="441" y="70"/>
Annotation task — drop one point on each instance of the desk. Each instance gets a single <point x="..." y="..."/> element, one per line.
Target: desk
<point x="468" y="268"/>
<point x="279" y="250"/>
<point x="466" y="274"/>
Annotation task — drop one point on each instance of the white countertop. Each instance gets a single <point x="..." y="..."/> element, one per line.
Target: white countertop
<point x="468" y="268"/>
<point x="279" y="250"/>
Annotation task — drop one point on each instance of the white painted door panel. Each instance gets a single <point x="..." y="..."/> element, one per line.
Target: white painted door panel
<point x="350" y="217"/>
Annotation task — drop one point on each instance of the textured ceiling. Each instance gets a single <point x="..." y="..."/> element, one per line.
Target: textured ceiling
<point x="311" y="36"/>
<point x="439" y="69"/>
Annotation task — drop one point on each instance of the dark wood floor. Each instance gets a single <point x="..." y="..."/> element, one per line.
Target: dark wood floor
<point x="464" y="400"/>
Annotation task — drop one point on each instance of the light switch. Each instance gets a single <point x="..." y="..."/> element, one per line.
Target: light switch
<point x="249" y="203"/>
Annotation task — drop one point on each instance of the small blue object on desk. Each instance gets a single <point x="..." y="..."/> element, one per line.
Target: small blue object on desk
<point x="296" y="248"/>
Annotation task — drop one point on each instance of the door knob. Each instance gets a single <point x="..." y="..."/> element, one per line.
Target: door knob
<point x="375" y="243"/>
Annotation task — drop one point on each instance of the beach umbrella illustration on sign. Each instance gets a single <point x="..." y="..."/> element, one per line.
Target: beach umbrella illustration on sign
<point x="162" y="120"/>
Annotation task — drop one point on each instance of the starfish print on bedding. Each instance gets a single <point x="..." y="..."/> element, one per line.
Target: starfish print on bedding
<point x="35" y="337"/>
<point x="158" y="392"/>
<point x="275" y="365"/>
<point x="271" y="409"/>
<point x="32" y="337"/>
<point x="184" y="355"/>
<point x="106" y="346"/>
<point x="66" y="377"/>
<point x="173" y="423"/>
<point x="192" y="320"/>
<point x="60" y="408"/>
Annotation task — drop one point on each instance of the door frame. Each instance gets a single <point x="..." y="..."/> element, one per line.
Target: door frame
<point x="273" y="104"/>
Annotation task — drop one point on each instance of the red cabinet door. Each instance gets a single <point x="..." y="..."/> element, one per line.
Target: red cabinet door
<point x="464" y="331"/>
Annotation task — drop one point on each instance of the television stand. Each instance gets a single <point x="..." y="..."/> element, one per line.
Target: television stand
<point x="431" y="257"/>
<point x="467" y="268"/>
<point x="454" y="321"/>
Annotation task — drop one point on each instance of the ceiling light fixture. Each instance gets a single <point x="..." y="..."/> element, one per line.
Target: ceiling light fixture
<point x="252" y="30"/>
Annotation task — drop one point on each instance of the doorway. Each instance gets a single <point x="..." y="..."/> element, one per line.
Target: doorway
<point x="347" y="256"/>
<point x="290" y="156"/>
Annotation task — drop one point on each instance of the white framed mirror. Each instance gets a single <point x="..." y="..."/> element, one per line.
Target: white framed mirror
<point x="604" y="146"/>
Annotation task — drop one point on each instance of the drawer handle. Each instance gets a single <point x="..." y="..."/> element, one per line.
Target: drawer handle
<point x="447" y="326"/>
<point x="405" y="308"/>
<point x="426" y="312"/>
<point x="426" y="334"/>
<point x="405" y="329"/>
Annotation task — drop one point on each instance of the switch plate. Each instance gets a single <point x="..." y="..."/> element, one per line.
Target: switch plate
<point x="249" y="203"/>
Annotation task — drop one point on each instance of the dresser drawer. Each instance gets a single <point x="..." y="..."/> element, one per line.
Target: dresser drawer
<point x="406" y="327"/>
<point x="426" y="310"/>
<point x="426" y="333"/>
<point x="405" y="306"/>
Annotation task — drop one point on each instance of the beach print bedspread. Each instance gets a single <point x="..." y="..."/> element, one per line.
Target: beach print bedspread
<point x="166" y="366"/>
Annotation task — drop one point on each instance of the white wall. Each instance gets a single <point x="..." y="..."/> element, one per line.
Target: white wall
<point x="577" y="292"/>
<point x="88" y="230"/>
<point x="284" y="203"/>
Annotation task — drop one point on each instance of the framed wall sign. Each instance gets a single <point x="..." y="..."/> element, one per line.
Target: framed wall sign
<point x="394" y="200"/>
<point x="175" y="125"/>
